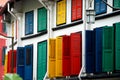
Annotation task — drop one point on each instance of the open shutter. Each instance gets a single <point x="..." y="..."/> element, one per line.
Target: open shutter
<point x="28" y="62"/>
<point x="89" y="52"/>
<point x="58" y="56"/>
<point x="51" y="63"/>
<point x="20" y="61"/>
<point x="42" y="19"/>
<point x="66" y="55"/>
<point x="61" y="12"/>
<point x="117" y="45"/>
<point x="98" y="49"/>
<point x="108" y="49"/>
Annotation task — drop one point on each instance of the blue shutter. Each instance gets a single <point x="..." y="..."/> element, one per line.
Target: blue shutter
<point x="98" y="49"/>
<point x="29" y="22"/>
<point x="97" y="6"/>
<point x="89" y="53"/>
<point x="28" y="62"/>
<point x="100" y="7"/>
<point x="103" y="7"/>
<point x="20" y="61"/>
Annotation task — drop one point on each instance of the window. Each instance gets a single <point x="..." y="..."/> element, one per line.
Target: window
<point x="42" y="19"/>
<point x="100" y="7"/>
<point x="116" y="3"/>
<point x="3" y="55"/>
<point x="76" y="10"/>
<point x="29" y="22"/>
<point x="61" y="12"/>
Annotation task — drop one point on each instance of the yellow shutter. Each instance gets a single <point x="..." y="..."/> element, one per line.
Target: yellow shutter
<point x="61" y="12"/>
<point x="59" y="57"/>
<point x="51" y="62"/>
<point x="5" y="66"/>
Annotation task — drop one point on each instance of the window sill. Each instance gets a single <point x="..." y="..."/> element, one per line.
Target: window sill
<point x="67" y="25"/>
<point x="103" y="16"/>
<point x="34" y="35"/>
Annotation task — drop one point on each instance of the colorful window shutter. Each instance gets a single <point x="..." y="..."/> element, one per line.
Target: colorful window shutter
<point x="100" y="7"/>
<point x="29" y="22"/>
<point x="61" y="12"/>
<point x="42" y="19"/>
<point x="116" y="3"/>
<point x="76" y="9"/>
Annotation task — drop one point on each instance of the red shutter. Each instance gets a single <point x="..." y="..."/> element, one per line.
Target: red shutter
<point x="66" y="55"/>
<point x="9" y="69"/>
<point x="9" y="62"/>
<point x="73" y="10"/>
<point x="79" y="9"/>
<point x="76" y="9"/>
<point x="76" y="52"/>
<point x="14" y="63"/>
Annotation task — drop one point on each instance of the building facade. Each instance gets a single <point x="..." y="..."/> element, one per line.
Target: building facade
<point x="34" y="24"/>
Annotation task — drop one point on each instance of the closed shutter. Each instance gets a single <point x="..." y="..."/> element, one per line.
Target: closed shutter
<point x="61" y="12"/>
<point x="42" y="19"/>
<point x="116" y="3"/>
<point x="76" y="9"/>
<point x="108" y="49"/>
<point x="100" y="7"/>
<point x="117" y="45"/>
<point x="66" y="56"/>
<point x="42" y="60"/>
<point x="29" y="22"/>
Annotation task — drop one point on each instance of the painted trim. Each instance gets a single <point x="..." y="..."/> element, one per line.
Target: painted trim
<point x="67" y="25"/>
<point x="34" y="36"/>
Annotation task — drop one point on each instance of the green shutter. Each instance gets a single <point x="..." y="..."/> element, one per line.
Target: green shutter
<point x="108" y="49"/>
<point x="117" y="45"/>
<point x="116" y="3"/>
<point x="42" y="19"/>
<point x="42" y="60"/>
